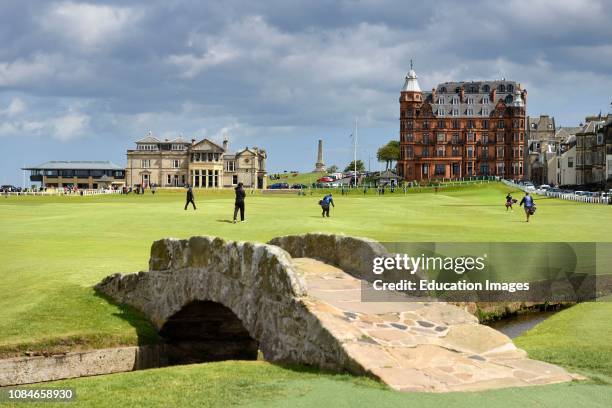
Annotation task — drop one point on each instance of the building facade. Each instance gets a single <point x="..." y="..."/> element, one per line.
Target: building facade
<point x="462" y="129"/>
<point x="541" y="143"/>
<point x="203" y="164"/>
<point x="591" y="153"/>
<point x="80" y="174"/>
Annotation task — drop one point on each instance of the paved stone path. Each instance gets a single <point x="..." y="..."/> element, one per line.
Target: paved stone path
<point x="417" y="346"/>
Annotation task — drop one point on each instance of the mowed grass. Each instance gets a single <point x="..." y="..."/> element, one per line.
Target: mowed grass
<point x="54" y="249"/>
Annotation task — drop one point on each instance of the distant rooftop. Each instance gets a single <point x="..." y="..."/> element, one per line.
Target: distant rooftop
<point x="76" y="165"/>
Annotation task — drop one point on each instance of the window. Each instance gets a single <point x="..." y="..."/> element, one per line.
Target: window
<point x="455" y="139"/>
<point x="230" y="165"/>
<point x="510" y="88"/>
<point x="485" y="100"/>
<point x="440" y="112"/>
<point x="484" y="112"/>
<point x="471" y="137"/>
<point x="176" y="163"/>
<point x="234" y="179"/>
<point x="146" y="164"/>
<point x="410" y="125"/>
<point x="409" y="137"/>
<point x="409" y="152"/>
<point x="508" y="99"/>
<point x="440" y="169"/>
<point x="502" y="88"/>
<point x="500" y="152"/>
<point x="440" y="101"/>
<point x="470" y="169"/>
<point x="515" y="136"/>
<point x="426" y="138"/>
<point x="470" y="112"/>
<point x="486" y="88"/>
<point x="455" y="100"/>
<point x="600" y="138"/>
<point x="485" y="124"/>
<point x="500" y="124"/>
<point x="470" y="152"/>
<point x="485" y="138"/>
<point x="425" y="152"/>
<point x="443" y="89"/>
<point x="440" y="138"/>
<point x="455" y="112"/>
<point x="455" y="124"/>
<point x="455" y="151"/>
<point x="570" y="162"/>
<point x="500" y="169"/>
<point x="440" y="151"/>
<point x="485" y="153"/>
<point x="470" y="122"/>
<point x="178" y="147"/>
<point x="169" y="179"/>
<point x="146" y="147"/>
<point x="484" y="169"/>
<point x="441" y="124"/>
<point x="425" y="169"/>
<point x="425" y="124"/>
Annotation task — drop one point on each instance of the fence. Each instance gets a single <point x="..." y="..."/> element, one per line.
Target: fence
<point x="564" y="196"/>
<point x="58" y="192"/>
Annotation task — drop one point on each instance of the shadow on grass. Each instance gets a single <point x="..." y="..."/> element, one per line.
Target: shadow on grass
<point x="145" y="331"/>
<point x="226" y="221"/>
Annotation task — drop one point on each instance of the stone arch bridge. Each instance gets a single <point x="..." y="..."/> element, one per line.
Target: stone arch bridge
<point x="298" y="300"/>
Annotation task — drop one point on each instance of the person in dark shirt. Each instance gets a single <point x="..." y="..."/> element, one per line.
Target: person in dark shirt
<point x="239" y="203"/>
<point x="190" y="198"/>
<point x="509" y="202"/>
<point x="325" y="203"/>
<point x="529" y="205"/>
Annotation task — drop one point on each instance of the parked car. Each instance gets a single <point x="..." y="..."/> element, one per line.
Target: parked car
<point x="299" y="186"/>
<point x="325" y="179"/>
<point x="278" y="186"/>
<point x="545" y="187"/>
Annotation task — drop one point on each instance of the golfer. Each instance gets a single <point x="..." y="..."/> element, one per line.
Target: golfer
<point x="509" y="202"/>
<point x="325" y="202"/>
<point x="239" y="203"/>
<point x="190" y="197"/>
<point x="529" y="205"/>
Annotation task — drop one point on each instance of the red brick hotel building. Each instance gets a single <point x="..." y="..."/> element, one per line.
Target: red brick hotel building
<point x="462" y="129"/>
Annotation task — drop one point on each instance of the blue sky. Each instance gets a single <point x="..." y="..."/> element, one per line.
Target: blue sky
<point x="83" y="80"/>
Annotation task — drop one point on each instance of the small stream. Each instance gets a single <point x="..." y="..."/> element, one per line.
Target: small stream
<point x="514" y="326"/>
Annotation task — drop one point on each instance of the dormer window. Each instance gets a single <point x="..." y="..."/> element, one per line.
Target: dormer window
<point x="470" y="112"/>
<point x="502" y="88"/>
<point x="510" y="88"/>
<point x="486" y="88"/>
<point x="440" y="101"/>
<point x="455" y="100"/>
<point x="443" y="89"/>
<point x="485" y="111"/>
<point x="455" y="112"/>
<point x="440" y="112"/>
<point x="470" y="100"/>
<point x="485" y="99"/>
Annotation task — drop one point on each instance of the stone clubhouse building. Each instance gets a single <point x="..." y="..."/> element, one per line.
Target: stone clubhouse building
<point x="462" y="129"/>
<point x="204" y="164"/>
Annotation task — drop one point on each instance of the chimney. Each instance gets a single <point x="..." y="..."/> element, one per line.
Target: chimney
<point x="461" y="93"/>
<point x="524" y="96"/>
<point x="493" y="94"/>
<point x="193" y="141"/>
<point x="225" y="145"/>
<point x="433" y="95"/>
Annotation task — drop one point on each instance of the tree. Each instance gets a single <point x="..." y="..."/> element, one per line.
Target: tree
<point x="389" y="153"/>
<point x="332" y="169"/>
<point x="351" y="166"/>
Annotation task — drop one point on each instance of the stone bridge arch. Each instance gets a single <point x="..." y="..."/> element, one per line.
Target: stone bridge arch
<point x="299" y="301"/>
<point x="256" y="283"/>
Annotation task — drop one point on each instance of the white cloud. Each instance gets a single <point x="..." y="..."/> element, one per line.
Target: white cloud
<point x="69" y="126"/>
<point x="15" y="107"/>
<point x="21" y="71"/>
<point x="89" y="25"/>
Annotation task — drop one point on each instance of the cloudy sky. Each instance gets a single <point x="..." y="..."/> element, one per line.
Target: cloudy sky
<point x="83" y="80"/>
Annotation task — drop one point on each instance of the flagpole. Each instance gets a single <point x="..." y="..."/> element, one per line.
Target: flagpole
<point x="355" y="152"/>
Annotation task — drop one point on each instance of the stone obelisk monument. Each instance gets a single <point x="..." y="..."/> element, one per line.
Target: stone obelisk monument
<point x="320" y="166"/>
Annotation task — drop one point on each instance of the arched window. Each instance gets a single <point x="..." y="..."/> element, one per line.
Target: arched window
<point x="510" y="88"/>
<point x="486" y="88"/>
<point x="508" y="99"/>
<point x="443" y="89"/>
<point x="502" y="88"/>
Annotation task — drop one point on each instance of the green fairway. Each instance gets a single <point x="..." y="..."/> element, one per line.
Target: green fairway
<point x="55" y="248"/>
